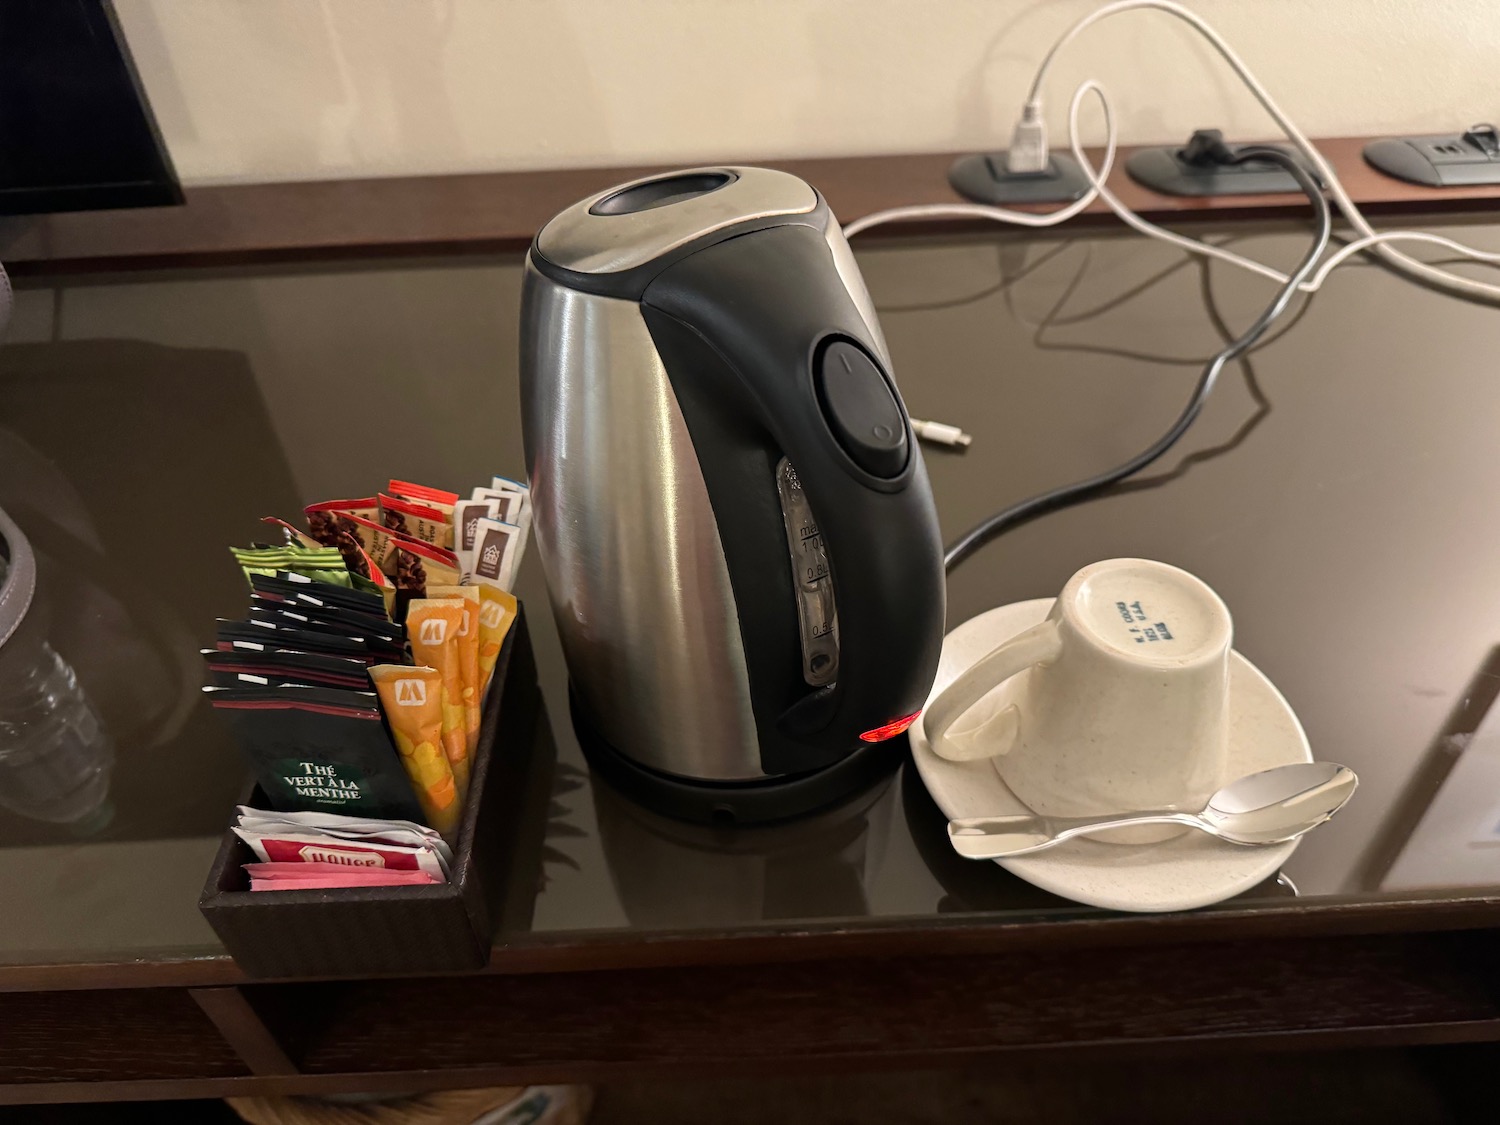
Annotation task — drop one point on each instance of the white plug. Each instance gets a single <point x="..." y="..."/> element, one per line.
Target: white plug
<point x="1028" y="144"/>
<point x="940" y="433"/>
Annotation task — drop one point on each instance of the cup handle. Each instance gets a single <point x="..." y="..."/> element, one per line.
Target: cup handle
<point x="1040" y="643"/>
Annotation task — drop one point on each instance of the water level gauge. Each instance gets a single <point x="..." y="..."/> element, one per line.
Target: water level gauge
<point x="815" y="610"/>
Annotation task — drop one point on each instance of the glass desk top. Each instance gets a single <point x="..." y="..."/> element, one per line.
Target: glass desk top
<point x="1338" y="491"/>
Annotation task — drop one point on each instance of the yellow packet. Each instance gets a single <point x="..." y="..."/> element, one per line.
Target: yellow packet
<point x="432" y="626"/>
<point x="412" y="701"/>
<point x="497" y="613"/>
<point x="468" y="656"/>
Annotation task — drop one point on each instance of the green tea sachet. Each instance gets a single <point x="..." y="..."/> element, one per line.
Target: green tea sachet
<point x="322" y="564"/>
<point x="318" y="749"/>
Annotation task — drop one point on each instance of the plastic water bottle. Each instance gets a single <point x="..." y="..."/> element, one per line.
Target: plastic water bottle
<point x="55" y="756"/>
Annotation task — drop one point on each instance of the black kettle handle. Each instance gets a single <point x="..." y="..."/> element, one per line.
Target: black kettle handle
<point x="768" y="305"/>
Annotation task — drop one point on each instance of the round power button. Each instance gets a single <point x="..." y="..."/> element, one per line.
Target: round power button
<point x="860" y="409"/>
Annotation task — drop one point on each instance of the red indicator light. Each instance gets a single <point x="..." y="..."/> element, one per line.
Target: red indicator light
<point x="891" y="729"/>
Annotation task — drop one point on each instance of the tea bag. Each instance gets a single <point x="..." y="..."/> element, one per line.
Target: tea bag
<point x="360" y="520"/>
<point x="411" y="698"/>
<point x="354" y="622"/>
<point x="358" y="582"/>
<point x="518" y="513"/>
<point x="280" y="667"/>
<point x="497" y="612"/>
<point x="284" y="584"/>
<point x="316" y="876"/>
<point x="508" y="502"/>
<point x="273" y="635"/>
<point x="381" y="584"/>
<point x="499" y="482"/>
<point x="466" y="517"/>
<point x="285" y="615"/>
<point x="324" y="564"/>
<point x="418" y="564"/>
<point x="433" y="626"/>
<point x="494" y="554"/>
<point x="333" y="516"/>
<point x="405" y="833"/>
<point x="435" y="498"/>
<point x="468" y="657"/>
<point x="419" y="521"/>
<point x="318" y="749"/>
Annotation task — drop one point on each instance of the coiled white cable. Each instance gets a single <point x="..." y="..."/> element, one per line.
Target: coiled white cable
<point x="1370" y="239"/>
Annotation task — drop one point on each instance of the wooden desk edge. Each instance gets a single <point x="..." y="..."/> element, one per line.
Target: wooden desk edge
<point x="498" y="212"/>
<point x="925" y="936"/>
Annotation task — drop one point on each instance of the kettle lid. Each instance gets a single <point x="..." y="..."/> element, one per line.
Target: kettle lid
<point x="635" y="223"/>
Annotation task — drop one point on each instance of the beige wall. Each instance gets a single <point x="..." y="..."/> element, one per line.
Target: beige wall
<point x="300" y="89"/>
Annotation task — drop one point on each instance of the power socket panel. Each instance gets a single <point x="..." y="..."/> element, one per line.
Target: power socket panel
<point x="1171" y="170"/>
<point x="984" y="178"/>
<point x="1445" y="160"/>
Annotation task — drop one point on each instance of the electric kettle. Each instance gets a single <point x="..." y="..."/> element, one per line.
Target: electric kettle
<point x="729" y="504"/>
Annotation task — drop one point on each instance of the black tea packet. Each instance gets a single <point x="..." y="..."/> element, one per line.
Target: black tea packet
<point x="311" y="669"/>
<point x="308" y="602"/>
<point x="288" y="585"/>
<point x="287" y="616"/>
<point x="355" y="622"/>
<point x="284" y="615"/>
<point x="296" y="640"/>
<point x="318" y="750"/>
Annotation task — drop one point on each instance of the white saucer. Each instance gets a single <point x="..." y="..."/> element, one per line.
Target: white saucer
<point x="1188" y="871"/>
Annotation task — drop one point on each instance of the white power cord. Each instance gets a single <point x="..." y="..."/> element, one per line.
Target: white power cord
<point x="919" y="211"/>
<point x="941" y="433"/>
<point x="1031" y="138"/>
<point x="1096" y="178"/>
<point x="1344" y="253"/>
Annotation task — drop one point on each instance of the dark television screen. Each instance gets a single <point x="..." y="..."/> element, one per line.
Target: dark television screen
<point x="76" y="132"/>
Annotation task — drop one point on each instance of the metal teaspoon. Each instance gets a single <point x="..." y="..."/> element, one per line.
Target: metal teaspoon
<point x="1269" y="807"/>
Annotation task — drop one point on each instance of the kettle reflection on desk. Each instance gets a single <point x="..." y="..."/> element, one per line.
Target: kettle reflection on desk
<point x="669" y="874"/>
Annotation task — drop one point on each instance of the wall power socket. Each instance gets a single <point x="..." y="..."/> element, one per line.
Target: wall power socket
<point x="1447" y="160"/>
<point x="1195" y="169"/>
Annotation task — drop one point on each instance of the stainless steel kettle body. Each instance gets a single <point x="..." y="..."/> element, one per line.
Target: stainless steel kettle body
<point x="732" y="513"/>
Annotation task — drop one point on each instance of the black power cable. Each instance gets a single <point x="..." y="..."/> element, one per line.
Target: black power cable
<point x="1069" y="494"/>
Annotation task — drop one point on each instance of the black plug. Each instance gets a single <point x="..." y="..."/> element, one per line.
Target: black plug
<point x="1206" y="148"/>
<point x="1208" y="165"/>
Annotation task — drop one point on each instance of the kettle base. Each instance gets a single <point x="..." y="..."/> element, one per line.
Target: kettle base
<point x="726" y="804"/>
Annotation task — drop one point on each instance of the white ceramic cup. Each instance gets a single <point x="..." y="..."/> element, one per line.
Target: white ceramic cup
<point x="1119" y="703"/>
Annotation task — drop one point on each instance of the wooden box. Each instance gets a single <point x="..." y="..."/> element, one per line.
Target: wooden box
<point x="376" y="930"/>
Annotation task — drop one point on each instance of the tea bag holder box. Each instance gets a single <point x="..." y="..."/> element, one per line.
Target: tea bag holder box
<point x="370" y="930"/>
